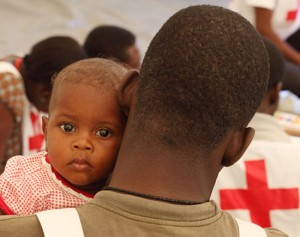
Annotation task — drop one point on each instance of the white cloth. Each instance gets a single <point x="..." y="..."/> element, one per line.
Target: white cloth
<point x="248" y="229"/>
<point x="61" y="222"/>
<point x="267" y="128"/>
<point x="289" y="102"/>
<point x="8" y="67"/>
<point x="76" y="18"/>
<point x="285" y="18"/>
<point x="263" y="186"/>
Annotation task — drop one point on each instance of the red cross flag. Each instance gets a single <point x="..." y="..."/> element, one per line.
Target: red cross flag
<point x="292" y="14"/>
<point x="263" y="187"/>
<point x="33" y="137"/>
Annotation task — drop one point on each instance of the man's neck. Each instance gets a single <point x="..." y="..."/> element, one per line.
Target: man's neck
<point x="154" y="172"/>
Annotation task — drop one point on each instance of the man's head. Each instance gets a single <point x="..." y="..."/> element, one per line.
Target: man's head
<point x="46" y="59"/>
<point x="113" y="42"/>
<point x="204" y="74"/>
<point x="202" y="79"/>
<point x="276" y="76"/>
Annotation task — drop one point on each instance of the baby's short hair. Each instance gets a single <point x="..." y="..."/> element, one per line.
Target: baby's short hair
<point x="203" y="75"/>
<point x="97" y="72"/>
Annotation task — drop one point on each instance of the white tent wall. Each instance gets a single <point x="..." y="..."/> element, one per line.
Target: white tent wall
<point x="25" y="22"/>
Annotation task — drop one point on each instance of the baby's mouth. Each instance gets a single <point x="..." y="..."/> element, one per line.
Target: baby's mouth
<point x="80" y="164"/>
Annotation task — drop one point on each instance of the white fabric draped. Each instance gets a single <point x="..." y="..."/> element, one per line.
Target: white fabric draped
<point x="23" y="23"/>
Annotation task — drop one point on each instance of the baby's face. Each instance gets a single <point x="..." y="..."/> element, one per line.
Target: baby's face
<point x="83" y="134"/>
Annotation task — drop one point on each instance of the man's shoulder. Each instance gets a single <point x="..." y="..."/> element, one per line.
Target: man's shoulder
<point x="18" y="226"/>
<point x="272" y="232"/>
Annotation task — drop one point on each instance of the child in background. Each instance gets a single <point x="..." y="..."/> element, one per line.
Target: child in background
<point x="271" y="156"/>
<point x="83" y="134"/>
<point x="25" y="89"/>
<point x="109" y="41"/>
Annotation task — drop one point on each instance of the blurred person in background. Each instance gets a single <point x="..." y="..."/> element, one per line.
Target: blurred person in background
<point x="25" y="88"/>
<point x="108" y="41"/>
<point x="279" y="21"/>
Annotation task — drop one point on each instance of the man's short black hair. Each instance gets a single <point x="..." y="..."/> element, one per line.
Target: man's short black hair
<point x="51" y="55"/>
<point x="204" y="74"/>
<point x="107" y="41"/>
<point x="277" y="64"/>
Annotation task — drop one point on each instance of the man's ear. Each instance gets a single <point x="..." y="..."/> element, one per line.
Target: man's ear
<point x="45" y="121"/>
<point x="126" y="92"/>
<point x="238" y="144"/>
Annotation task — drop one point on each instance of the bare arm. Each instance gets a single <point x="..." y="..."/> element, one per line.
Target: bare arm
<point x="264" y="27"/>
<point x="6" y="125"/>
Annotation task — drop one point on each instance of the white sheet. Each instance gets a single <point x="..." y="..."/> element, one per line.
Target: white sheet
<point x="25" y="22"/>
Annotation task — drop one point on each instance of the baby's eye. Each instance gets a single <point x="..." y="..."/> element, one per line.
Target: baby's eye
<point x="67" y="127"/>
<point x="103" y="133"/>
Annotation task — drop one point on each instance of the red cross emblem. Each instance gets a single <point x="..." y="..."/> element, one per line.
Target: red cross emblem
<point x="258" y="198"/>
<point x="35" y="141"/>
<point x="291" y="15"/>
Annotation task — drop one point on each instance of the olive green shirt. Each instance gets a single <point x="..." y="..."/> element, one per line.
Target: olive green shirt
<point x="115" y="214"/>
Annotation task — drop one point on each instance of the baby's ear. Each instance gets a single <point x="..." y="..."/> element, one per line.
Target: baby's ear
<point x="126" y="90"/>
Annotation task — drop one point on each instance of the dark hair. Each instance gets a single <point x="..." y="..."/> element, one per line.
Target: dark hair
<point x="277" y="65"/>
<point x="203" y="75"/>
<point x="49" y="56"/>
<point x="109" y="42"/>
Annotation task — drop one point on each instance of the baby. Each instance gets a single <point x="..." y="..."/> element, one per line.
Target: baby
<point x="83" y="134"/>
